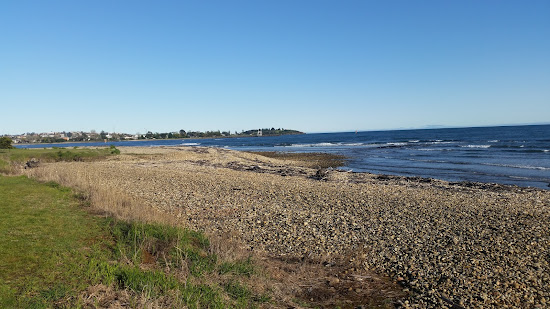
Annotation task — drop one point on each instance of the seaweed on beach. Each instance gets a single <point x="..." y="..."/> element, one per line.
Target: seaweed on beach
<point x="307" y="159"/>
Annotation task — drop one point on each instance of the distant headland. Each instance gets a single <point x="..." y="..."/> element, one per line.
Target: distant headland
<point x="92" y="136"/>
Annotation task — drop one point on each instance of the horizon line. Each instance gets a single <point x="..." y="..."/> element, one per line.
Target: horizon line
<point x="433" y="127"/>
<point x="425" y="127"/>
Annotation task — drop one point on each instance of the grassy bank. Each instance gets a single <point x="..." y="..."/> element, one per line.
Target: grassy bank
<point x="53" y="253"/>
<point x="14" y="159"/>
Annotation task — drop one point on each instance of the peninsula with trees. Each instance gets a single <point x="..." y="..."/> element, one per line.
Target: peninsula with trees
<point x="93" y="135"/>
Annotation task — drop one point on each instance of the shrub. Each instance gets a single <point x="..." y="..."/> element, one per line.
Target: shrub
<point x="5" y="143"/>
<point x="113" y="150"/>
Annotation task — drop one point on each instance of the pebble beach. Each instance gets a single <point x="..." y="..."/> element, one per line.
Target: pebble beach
<point x="447" y="245"/>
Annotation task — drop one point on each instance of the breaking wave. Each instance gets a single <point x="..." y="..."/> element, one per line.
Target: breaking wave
<point x="476" y="146"/>
<point x="529" y="167"/>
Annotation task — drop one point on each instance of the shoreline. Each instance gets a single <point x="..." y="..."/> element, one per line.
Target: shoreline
<point x="334" y="161"/>
<point x="321" y="160"/>
<point x="471" y="244"/>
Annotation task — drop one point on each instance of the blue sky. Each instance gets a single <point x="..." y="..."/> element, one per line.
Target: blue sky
<point x="315" y="66"/>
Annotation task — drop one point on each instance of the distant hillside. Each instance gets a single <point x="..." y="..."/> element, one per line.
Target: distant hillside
<point x="272" y="131"/>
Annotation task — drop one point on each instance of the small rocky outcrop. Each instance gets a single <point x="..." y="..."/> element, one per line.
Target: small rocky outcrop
<point x="32" y="163"/>
<point x="321" y="174"/>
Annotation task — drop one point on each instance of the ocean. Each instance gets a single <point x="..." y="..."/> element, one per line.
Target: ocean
<point x="516" y="155"/>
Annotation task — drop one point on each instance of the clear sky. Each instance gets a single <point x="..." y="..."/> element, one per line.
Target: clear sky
<point x="314" y="66"/>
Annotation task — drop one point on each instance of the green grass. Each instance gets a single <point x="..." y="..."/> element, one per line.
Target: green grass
<point x="4" y="164"/>
<point x="51" y="250"/>
<point x="243" y="268"/>
<point x="56" y="154"/>
<point x="43" y="236"/>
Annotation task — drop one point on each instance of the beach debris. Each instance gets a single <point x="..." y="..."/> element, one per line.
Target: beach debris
<point x="321" y="174"/>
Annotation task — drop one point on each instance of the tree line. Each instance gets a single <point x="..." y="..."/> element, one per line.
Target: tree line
<point x="198" y="134"/>
<point x="93" y="135"/>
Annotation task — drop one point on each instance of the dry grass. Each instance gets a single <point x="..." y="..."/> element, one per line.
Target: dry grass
<point x="102" y="296"/>
<point x="330" y="285"/>
<point x="105" y="200"/>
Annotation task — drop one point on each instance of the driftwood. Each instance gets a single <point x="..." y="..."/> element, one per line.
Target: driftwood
<point x="321" y="174"/>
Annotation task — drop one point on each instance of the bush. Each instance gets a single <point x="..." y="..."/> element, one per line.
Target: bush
<point x="113" y="150"/>
<point x="5" y="143"/>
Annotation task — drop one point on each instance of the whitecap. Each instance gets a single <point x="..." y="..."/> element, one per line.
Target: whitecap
<point x="529" y="167"/>
<point x="519" y="177"/>
<point x="476" y="146"/>
<point x="325" y="145"/>
<point x="311" y="145"/>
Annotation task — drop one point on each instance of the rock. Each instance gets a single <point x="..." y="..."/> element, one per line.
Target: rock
<point x="32" y="163"/>
<point x="333" y="281"/>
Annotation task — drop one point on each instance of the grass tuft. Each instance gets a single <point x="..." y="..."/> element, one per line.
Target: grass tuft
<point x="242" y="267"/>
<point x="237" y="290"/>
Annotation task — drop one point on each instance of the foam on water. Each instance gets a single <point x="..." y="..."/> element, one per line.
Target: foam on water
<point x="440" y="142"/>
<point x="312" y="145"/>
<point x="529" y="167"/>
<point x="476" y="146"/>
<point x="325" y="145"/>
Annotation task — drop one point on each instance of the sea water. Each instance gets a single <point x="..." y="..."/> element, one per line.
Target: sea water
<point x="517" y="155"/>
